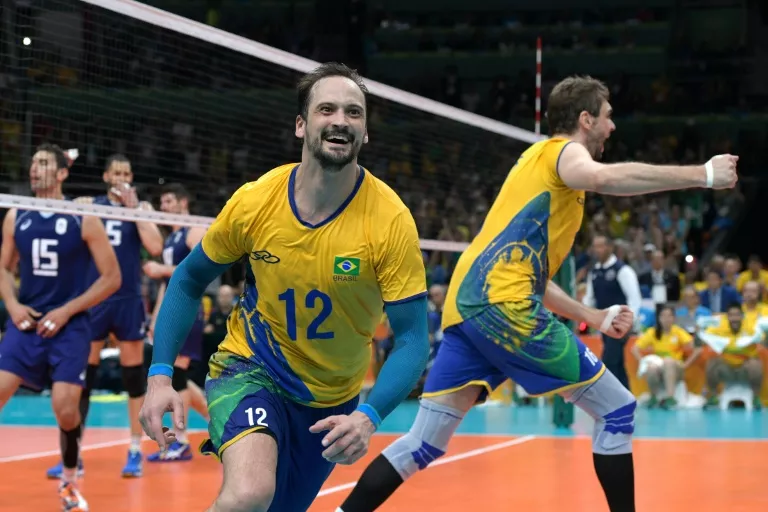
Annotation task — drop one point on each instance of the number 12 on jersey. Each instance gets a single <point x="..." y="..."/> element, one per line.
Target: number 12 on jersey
<point x="313" y="331"/>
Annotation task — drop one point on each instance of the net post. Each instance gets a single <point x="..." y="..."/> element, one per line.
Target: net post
<point x="537" y="129"/>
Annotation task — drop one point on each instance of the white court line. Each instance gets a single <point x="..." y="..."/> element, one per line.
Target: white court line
<point x="452" y="458"/>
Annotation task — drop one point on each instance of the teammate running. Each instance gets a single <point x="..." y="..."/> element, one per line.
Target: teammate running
<point x="175" y="199"/>
<point x="48" y="334"/>
<point x="499" y="314"/>
<point x="328" y="246"/>
<point x="123" y="313"/>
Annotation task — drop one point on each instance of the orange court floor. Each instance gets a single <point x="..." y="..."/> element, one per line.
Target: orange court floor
<point x="505" y="458"/>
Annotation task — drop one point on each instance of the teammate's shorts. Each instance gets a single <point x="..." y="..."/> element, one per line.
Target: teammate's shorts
<point x="38" y="360"/>
<point x="242" y="399"/>
<point x="193" y="345"/>
<point x="522" y="341"/>
<point x="125" y="318"/>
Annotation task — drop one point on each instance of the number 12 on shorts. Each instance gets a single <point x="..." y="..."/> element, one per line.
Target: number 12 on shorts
<point x="259" y="414"/>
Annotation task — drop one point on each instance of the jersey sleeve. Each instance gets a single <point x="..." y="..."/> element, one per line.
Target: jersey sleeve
<point x="399" y="263"/>
<point x="226" y="240"/>
<point x="684" y="337"/>
<point x="551" y="157"/>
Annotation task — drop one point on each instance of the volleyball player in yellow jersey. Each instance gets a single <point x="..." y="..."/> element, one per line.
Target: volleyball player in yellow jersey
<point x="498" y="317"/>
<point x="328" y="248"/>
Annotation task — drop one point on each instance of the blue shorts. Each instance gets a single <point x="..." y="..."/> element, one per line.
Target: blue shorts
<point x="38" y="360"/>
<point x="242" y="400"/>
<point x="521" y="341"/>
<point x="125" y="318"/>
<point x="193" y="345"/>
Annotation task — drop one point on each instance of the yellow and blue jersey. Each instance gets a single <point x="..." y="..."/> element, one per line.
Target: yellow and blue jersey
<point x="528" y="233"/>
<point x="314" y="294"/>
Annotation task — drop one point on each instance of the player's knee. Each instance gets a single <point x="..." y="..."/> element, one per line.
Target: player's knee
<point x="426" y="441"/>
<point x="179" y="379"/>
<point x="133" y="381"/>
<point x="246" y="495"/>
<point x="67" y="413"/>
<point x="613" y="431"/>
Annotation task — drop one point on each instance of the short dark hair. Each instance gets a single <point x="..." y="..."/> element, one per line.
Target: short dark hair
<point x="570" y="98"/>
<point x="177" y="189"/>
<point x="62" y="162"/>
<point x="116" y="158"/>
<point x="329" y="69"/>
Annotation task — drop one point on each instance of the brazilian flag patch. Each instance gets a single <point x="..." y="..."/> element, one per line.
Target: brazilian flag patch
<point x="346" y="266"/>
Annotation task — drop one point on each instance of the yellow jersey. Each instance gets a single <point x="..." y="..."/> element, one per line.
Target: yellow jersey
<point x="671" y="344"/>
<point x="526" y="236"/>
<point x="733" y="354"/>
<point x="314" y="294"/>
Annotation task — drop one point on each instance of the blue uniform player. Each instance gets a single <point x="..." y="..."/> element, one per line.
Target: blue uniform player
<point x="175" y="199"/>
<point x="327" y="246"/>
<point x="48" y="333"/>
<point x="123" y="314"/>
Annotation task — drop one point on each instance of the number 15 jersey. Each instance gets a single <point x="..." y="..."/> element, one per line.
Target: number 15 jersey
<point x="314" y="293"/>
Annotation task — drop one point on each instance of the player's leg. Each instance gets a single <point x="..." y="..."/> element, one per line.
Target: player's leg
<point x="100" y="324"/>
<point x="459" y="378"/>
<point x="655" y="378"/>
<point x="250" y="475"/>
<point x="672" y="374"/>
<point x="716" y="372"/>
<point x="197" y="401"/>
<point x="68" y="358"/>
<point x="249" y="433"/>
<point x="753" y="370"/>
<point x="128" y="326"/>
<point x="544" y="356"/>
<point x="22" y="359"/>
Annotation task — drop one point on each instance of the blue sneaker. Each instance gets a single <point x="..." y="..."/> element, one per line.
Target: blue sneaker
<point x="133" y="466"/>
<point x="55" y="472"/>
<point x="177" y="452"/>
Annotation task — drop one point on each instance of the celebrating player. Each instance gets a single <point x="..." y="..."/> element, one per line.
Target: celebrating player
<point x="328" y="246"/>
<point x="498" y="317"/>
<point x="122" y="314"/>
<point x="175" y="199"/>
<point x="48" y="334"/>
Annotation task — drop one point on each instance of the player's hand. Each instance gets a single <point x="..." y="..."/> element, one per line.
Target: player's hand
<point x="24" y="317"/>
<point x="161" y="398"/>
<point x="83" y="200"/>
<point x="348" y="438"/>
<point x="612" y="322"/>
<point x="50" y="325"/>
<point x="127" y="195"/>
<point x="153" y="270"/>
<point x="724" y="171"/>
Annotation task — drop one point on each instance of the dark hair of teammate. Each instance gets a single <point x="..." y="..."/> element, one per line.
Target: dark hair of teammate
<point x="62" y="162"/>
<point x="571" y="97"/>
<point x="329" y="69"/>
<point x="178" y="190"/>
<point x="116" y="158"/>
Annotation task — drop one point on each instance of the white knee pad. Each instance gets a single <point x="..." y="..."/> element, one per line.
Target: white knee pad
<point x="613" y="408"/>
<point x="426" y="441"/>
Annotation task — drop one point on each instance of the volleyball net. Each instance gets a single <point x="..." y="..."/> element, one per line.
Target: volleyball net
<point x="188" y="103"/>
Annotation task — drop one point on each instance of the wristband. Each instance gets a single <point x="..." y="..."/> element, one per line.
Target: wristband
<point x="710" y="174"/>
<point x="372" y="414"/>
<point x="613" y="312"/>
<point x="160" y="369"/>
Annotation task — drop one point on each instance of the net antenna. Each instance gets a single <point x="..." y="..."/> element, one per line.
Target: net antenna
<point x="228" y="42"/>
<point x="537" y="130"/>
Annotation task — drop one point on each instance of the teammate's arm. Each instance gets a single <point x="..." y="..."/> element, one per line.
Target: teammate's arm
<point x="580" y="171"/>
<point x="108" y="282"/>
<point x="149" y="233"/>
<point x="158" y="271"/>
<point x="23" y="316"/>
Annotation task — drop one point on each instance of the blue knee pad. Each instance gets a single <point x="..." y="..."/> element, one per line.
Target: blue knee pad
<point x="613" y="408"/>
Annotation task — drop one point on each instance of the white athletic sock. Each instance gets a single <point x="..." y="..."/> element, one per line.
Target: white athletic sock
<point x="135" y="443"/>
<point x="69" y="474"/>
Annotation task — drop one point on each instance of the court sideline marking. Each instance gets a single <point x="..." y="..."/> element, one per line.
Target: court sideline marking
<point x="452" y="458"/>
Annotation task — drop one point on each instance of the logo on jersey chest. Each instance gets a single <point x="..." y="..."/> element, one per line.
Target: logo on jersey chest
<point x="264" y="256"/>
<point x="346" y="268"/>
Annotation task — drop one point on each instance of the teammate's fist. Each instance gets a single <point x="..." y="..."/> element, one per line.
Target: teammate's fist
<point x="723" y="171"/>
